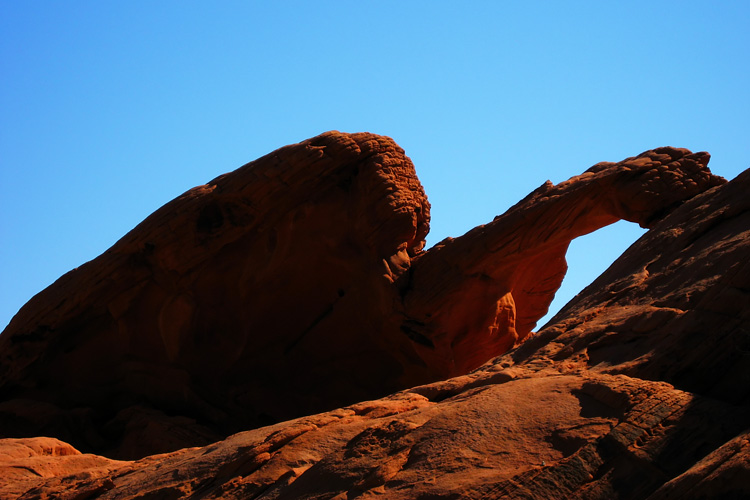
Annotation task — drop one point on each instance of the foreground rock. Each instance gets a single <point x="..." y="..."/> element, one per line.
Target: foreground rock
<point x="294" y="285"/>
<point x="637" y="389"/>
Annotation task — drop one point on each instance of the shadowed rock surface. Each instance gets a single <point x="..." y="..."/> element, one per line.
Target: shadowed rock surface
<point x="644" y="375"/>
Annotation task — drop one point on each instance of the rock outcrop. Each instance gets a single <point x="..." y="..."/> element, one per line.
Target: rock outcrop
<point x="294" y="285"/>
<point x="637" y="389"/>
<point x="260" y="296"/>
<point x="298" y="284"/>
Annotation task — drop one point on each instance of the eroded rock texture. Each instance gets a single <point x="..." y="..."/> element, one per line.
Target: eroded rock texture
<point x="260" y="296"/>
<point x="298" y="284"/>
<point x="637" y="389"/>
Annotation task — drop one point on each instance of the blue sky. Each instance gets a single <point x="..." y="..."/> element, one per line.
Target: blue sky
<point x="109" y="110"/>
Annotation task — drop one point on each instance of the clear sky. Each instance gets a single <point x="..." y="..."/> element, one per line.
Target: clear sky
<point x="111" y="109"/>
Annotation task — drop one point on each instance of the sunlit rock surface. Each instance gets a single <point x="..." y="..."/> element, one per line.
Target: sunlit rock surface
<point x="205" y="321"/>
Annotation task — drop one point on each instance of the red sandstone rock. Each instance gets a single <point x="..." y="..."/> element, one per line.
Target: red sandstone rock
<point x="478" y="295"/>
<point x="258" y="297"/>
<point x="638" y="388"/>
<point x="26" y="462"/>
<point x="298" y="284"/>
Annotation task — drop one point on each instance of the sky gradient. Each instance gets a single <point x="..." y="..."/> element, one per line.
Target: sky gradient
<point x="111" y="110"/>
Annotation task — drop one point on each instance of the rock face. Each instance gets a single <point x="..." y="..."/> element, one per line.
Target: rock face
<point x="637" y="389"/>
<point x="258" y="297"/>
<point x="298" y="284"/>
<point x="294" y="285"/>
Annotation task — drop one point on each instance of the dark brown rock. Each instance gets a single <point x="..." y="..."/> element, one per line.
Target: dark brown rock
<point x="298" y="284"/>
<point x="255" y="298"/>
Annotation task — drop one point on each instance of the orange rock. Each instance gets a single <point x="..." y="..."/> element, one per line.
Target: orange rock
<point x="297" y="284"/>
<point x="261" y="296"/>
<point x="476" y="296"/>
<point x="637" y="389"/>
<point x="27" y="462"/>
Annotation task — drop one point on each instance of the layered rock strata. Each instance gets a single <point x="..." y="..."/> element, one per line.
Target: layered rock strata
<point x="298" y="284"/>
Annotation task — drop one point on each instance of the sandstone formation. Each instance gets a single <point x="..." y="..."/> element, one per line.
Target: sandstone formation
<point x="637" y="389"/>
<point x="258" y="297"/>
<point x="298" y="284"/>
